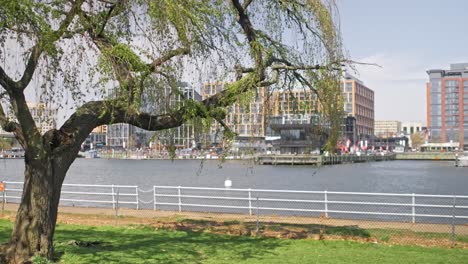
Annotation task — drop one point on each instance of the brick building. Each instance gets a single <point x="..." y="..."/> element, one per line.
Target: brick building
<point x="447" y="105"/>
<point x="359" y="103"/>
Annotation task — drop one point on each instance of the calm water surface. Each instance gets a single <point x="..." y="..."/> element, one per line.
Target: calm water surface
<point x="425" y="177"/>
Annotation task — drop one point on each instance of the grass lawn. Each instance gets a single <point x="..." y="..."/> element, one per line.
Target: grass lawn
<point x="84" y="244"/>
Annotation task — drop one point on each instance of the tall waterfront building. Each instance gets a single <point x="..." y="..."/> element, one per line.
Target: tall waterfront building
<point x="119" y="135"/>
<point x="96" y="139"/>
<point x="263" y="116"/>
<point x="300" y="101"/>
<point x="214" y="135"/>
<point x="409" y="128"/>
<point x="184" y="136"/>
<point x="249" y="119"/>
<point x="359" y="103"/>
<point x="44" y="117"/>
<point x="158" y="101"/>
<point x="246" y="119"/>
<point x="447" y="105"/>
<point x="387" y="128"/>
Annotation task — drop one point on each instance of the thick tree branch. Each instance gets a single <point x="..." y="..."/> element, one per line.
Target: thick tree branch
<point x="5" y="81"/>
<point x="168" y="56"/>
<point x="96" y="113"/>
<point x="246" y="4"/>
<point x="274" y="79"/>
<point x="30" y="68"/>
<point x="301" y="67"/>
<point x="74" y="10"/>
<point x="108" y="16"/>
<point x="249" y="32"/>
<point x="4" y="122"/>
<point x="29" y="131"/>
<point x="305" y="82"/>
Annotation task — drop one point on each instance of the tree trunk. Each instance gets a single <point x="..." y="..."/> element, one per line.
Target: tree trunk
<point x="37" y="214"/>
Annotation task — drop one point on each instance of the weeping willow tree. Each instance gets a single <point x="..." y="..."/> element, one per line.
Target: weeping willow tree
<point x="102" y="61"/>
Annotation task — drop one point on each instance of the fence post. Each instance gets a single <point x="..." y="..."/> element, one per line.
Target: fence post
<point x="117" y="208"/>
<point x="413" y="207"/>
<point x="250" y="202"/>
<point x="4" y="195"/>
<point x="154" y="198"/>
<point x="180" y="200"/>
<point x="137" y="198"/>
<point x="257" y="225"/>
<point x="3" y="202"/>
<point x="453" y="218"/>
<point x="326" y="203"/>
<point x="113" y="197"/>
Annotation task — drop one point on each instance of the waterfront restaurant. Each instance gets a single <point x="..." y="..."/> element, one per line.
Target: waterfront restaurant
<point x="440" y="147"/>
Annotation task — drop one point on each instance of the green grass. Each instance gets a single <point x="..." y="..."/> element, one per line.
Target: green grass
<point x="84" y="244"/>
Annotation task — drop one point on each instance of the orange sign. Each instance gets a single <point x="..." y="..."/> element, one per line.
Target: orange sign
<point x="2" y="187"/>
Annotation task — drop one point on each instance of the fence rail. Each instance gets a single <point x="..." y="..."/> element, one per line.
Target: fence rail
<point x="83" y="194"/>
<point x="357" y="205"/>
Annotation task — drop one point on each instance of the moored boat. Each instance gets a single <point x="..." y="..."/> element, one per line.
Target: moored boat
<point x="461" y="161"/>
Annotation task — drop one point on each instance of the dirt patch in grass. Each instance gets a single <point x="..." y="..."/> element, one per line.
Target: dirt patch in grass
<point x="426" y="242"/>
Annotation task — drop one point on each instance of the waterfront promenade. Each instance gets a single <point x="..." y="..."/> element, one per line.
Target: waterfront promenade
<point x="298" y="159"/>
<point x="270" y="159"/>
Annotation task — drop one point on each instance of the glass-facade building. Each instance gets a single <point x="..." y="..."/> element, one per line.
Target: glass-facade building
<point x="157" y="101"/>
<point x="447" y="105"/>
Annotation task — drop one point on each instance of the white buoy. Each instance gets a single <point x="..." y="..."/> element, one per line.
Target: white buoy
<point x="227" y="183"/>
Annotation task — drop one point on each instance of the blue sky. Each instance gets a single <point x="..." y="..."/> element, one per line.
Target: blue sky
<point x="406" y="38"/>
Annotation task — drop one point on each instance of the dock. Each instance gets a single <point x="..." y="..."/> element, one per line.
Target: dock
<point x="319" y="160"/>
<point x="11" y="154"/>
<point x="425" y="156"/>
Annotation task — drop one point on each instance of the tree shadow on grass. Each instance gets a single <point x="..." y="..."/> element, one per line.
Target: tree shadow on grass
<point x="264" y="227"/>
<point x="145" y="245"/>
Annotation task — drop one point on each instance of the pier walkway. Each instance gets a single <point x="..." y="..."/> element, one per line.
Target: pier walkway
<point x="319" y="160"/>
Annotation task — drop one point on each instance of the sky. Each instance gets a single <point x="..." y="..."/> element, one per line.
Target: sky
<point x="406" y="38"/>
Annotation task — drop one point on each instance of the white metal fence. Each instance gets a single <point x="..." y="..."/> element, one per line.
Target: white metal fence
<point x="83" y="194"/>
<point x="383" y="206"/>
<point x="421" y="208"/>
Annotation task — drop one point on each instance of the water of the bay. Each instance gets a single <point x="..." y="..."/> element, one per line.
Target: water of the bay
<point x="423" y="177"/>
